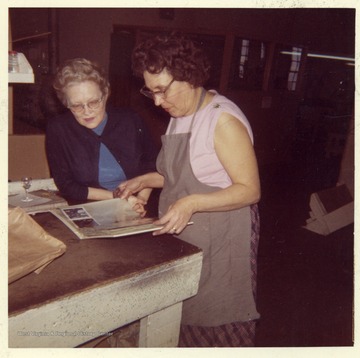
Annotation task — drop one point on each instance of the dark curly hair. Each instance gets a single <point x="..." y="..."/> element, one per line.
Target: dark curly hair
<point x="179" y="55"/>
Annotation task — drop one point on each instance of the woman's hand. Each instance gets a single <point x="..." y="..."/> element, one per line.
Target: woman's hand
<point x="177" y="216"/>
<point x="128" y="188"/>
<point x="137" y="203"/>
<point x="143" y="183"/>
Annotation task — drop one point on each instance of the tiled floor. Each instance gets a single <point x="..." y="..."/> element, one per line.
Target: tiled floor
<point x="305" y="280"/>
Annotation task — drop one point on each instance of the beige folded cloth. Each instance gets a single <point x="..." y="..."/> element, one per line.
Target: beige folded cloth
<point x="30" y="247"/>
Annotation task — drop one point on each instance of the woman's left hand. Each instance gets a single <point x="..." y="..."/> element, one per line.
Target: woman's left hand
<point x="177" y="217"/>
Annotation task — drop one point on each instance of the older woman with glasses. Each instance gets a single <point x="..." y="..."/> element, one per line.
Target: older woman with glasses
<point x="208" y="173"/>
<point x="91" y="148"/>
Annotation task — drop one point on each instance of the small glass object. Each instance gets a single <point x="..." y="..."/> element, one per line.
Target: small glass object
<point x="26" y="185"/>
<point x="13" y="62"/>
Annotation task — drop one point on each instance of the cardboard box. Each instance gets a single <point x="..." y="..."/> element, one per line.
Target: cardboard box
<point x="331" y="209"/>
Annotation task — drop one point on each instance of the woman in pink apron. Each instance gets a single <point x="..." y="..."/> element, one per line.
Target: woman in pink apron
<point x="208" y="173"/>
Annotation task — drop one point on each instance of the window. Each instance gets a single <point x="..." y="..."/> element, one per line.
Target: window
<point x="247" y="64"/>
<point x="294" y="68"/>
<point x="287" y="68"/>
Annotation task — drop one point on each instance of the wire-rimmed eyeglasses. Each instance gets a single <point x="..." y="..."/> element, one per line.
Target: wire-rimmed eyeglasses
<point x="77" y="108"/>
<point x="152" y="94"/>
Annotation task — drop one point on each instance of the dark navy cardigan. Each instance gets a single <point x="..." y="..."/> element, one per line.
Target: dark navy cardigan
<point x="73" y="150"/>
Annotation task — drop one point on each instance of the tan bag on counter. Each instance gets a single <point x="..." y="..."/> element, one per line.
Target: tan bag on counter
<point x="30" y="248"/>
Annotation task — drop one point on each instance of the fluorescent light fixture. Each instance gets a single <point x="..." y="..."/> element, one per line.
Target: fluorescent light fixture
<point x="317" y="55"/>
<point x="331" y="57"/>
<point x="290" y="53"/>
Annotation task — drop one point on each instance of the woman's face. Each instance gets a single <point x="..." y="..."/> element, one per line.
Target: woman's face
<point x="178" y="99"/>
<point x="87" y="103"/>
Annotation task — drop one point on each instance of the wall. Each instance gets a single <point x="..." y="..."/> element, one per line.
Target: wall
<point x="27" y="157"/>
<point x="86" y="32"/>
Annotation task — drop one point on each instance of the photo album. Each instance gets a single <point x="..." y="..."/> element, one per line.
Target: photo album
<point x="104" y="219"/>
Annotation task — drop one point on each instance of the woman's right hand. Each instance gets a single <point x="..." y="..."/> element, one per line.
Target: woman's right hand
<point x="128" y="188"/>
<point x="143" y="183"/>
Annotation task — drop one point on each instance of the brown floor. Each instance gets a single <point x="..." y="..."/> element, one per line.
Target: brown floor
<point x="305" y="280"/>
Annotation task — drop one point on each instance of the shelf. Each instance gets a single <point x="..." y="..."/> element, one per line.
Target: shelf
<point x="32" y="37"/>
<point x="25" y="75"/>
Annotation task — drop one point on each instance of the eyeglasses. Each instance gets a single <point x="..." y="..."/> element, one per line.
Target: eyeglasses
<point x="77" y="108"/>
<point x="151" y="94"/>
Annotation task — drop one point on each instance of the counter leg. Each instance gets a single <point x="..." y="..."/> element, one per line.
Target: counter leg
<point x="162" y="328"/>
